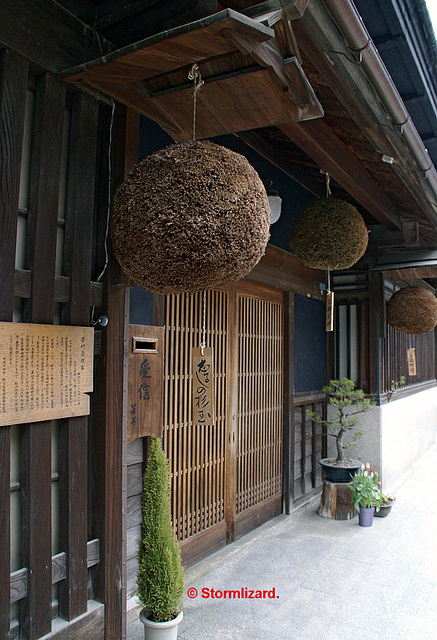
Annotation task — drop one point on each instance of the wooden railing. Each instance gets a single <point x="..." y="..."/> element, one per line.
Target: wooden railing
<point x="309" y="444"/>
<point x="394" y="370"/>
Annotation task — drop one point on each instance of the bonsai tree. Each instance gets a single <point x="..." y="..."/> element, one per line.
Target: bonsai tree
<point x="348" y="401"/>
<point x="160" y="578"/>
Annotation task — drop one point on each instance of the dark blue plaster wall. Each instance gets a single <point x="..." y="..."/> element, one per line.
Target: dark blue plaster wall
<point x="309" y="344"/>
<point x="140" y="306"/>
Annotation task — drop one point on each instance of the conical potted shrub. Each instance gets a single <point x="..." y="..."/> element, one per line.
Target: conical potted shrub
<point x="346" y="401"/>
<point x="160" y="578"/>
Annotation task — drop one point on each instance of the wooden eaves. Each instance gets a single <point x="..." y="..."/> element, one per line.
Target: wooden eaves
<point x="261" y="79"/>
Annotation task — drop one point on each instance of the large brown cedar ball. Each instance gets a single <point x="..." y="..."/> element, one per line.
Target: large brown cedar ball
<point x="412" y="310"/>
<point x="191" y="216"/>
<point x="329" y="234"/>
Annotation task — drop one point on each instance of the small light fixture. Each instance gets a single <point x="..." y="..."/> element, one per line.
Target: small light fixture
<point x="275" y="202"/>
<point x="387" y="159"/>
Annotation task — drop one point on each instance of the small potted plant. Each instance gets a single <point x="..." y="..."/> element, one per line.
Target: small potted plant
<point x="347" y="401"/>
<point x="386" y="505"/>
<point x="160" y="578"/>
<point x="366" y="494"/>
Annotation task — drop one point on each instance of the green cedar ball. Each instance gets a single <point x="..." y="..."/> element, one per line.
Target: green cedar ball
<point x="189" y="217"/>
<point x="412" y="310"/>
<point x="160" y="578"/>
<point x="329" y="234"/>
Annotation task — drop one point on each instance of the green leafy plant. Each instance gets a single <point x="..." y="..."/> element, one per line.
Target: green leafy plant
<point x="387" y="498"/>
<point x="348" y="401"/>
<point x="366" y="488"/>
<point x="395" y="385"/>
<point x="160" y="578"/>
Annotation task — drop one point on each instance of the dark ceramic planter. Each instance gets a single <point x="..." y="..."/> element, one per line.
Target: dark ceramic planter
<point x="384" y="510"/>
<point x="334" y="473"/>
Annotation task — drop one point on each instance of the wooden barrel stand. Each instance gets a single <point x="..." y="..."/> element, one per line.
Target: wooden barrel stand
<point x="336" y="501"/>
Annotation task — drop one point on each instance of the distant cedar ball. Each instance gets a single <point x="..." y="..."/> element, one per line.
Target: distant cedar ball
<point x="192" y="216"/>
<point x="412" y="310"/>
<point x="329" y="234"/>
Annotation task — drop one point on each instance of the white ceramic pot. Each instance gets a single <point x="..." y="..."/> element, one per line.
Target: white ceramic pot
<point x="160" y="630"/>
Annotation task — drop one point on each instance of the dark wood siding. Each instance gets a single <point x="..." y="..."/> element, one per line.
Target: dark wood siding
<point x="13" y="86"/>
<point x="50" y="281"/>
<point x="309" y="446"/>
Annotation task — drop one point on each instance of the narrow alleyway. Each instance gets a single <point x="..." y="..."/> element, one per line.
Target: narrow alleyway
<point x="332" y="579"/>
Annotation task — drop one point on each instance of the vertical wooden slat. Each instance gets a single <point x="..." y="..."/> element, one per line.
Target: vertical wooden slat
<point x="360" y="342"/>
<point x="43" y="197"/>
<point x="313" y="449"/>
<point x="303" y="448"/>
<point x="177" y="399"/>
<point x="73" y="432"/>
<point x="13" y="86"/>
<point x="35" y="611"/>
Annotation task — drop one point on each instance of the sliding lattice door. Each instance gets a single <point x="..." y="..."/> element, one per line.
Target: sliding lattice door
<point x="196" y="452"/>
<point x="260" y="410"/>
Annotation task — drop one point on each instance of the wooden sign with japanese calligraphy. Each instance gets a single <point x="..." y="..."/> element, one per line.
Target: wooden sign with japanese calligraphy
<point x="46" y="372"/>
<point x="411" y="356"/>
<point x="203" y="386"/>
<point x="330" y="311"/>
<point x="145" y="382"/>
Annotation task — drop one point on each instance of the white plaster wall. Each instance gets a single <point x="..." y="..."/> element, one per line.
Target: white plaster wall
<point x="409" y="429"/>
<point x="396" y="435"/>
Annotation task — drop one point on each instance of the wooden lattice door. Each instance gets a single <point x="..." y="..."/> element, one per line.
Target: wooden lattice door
<point x="196" y="452"/>
<point x="226" y="478"/>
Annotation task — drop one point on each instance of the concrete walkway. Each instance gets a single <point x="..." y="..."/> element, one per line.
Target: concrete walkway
<point x="333" y="580"/>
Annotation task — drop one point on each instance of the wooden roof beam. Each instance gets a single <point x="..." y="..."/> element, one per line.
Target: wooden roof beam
<point x="60" y="41"/>
<point x="254" y="140"/>
<point x="332" y="155"/>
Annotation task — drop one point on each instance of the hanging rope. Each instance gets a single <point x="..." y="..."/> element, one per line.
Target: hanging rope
<point x="203" y="343"/>
<point x="194" y="75"/>
<point x="328" y="180"/>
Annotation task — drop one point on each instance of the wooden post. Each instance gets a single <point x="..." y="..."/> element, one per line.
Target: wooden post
<point x="73" y="434"/>
<point x="36" y="524"/>
<point x="288" y="400"/>
<point x="109" y="439"/>
<point x="13" y="87"/>
<point x="376" y="326"/>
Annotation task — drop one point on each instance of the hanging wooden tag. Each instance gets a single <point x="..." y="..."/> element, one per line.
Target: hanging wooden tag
<point x="330" y="311"/>
<point x="203" y="387"/>
<point x="411" y="355"/>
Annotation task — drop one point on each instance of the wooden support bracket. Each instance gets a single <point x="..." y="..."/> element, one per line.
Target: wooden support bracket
<point x="289" y="72"/>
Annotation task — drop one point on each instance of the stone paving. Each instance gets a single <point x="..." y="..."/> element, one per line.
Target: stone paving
<point x="333" y="580"/>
